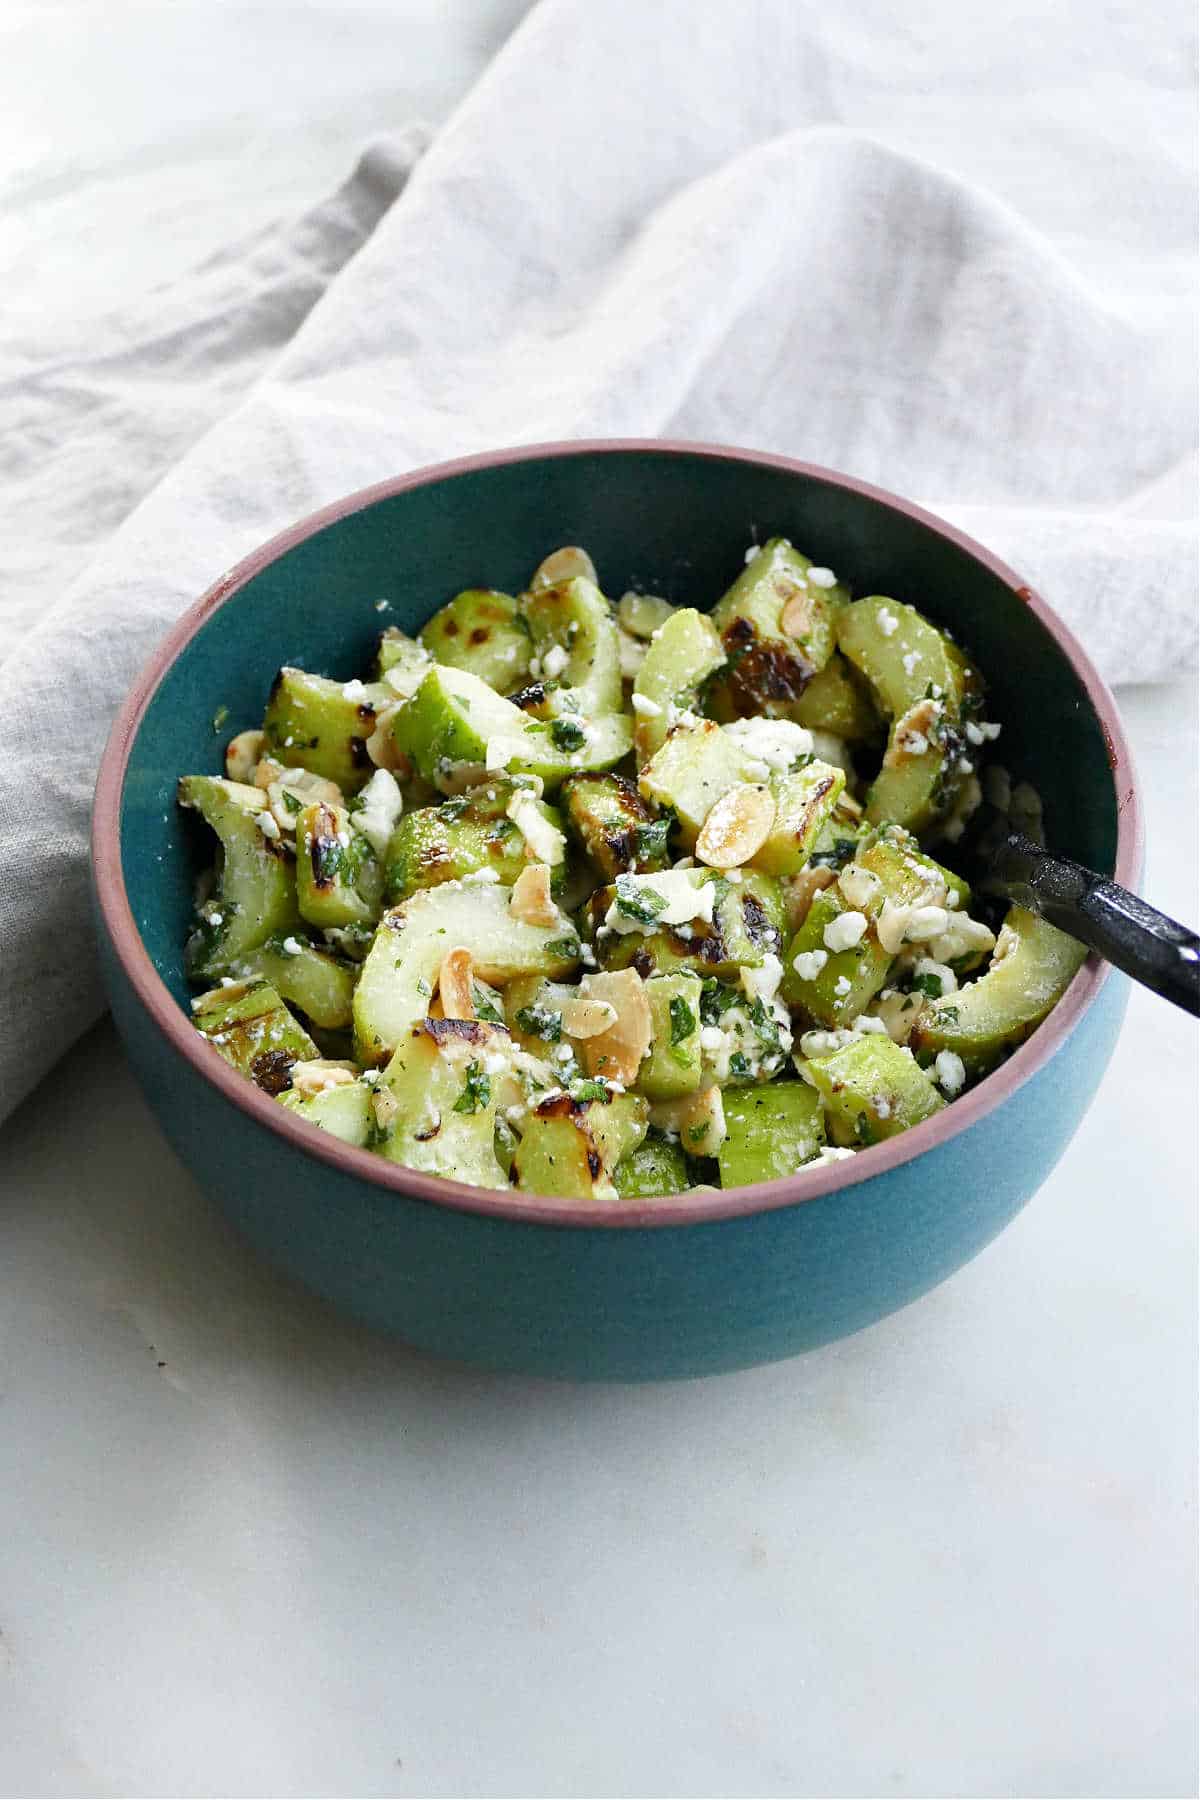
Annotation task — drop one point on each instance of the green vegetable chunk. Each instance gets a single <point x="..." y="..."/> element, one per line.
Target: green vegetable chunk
<point x="656" y="1167"/>
<point x="920" y="680"/>
<point x="684" y="653"/>
<point x="398" y="977"/>
<point x="832" y="986"/>
<point x="872" y="1089"/>
<point x="323" y="726"/>
<point x="804" y="800"/>
<point x="1032" y="966"/>
<point x="572" y="1147"/>
<point x="344" y="1111"/>
<point x="314" y="979"/>
<point x="400" y="662"/>
<point x="837" y="700"/>
<point x="673" y="1065"/>
<point x="338" y="877"/>
<point x="777" y="626"/>
<point x="255" y="892"/>
<point x="435" y="844"/>
<point x="615" y="826"/>
<point x="444" y="1119"/>
<point x="695" y="765"/>
<point x="249" y="1026"/>
<point x="769" y="1132"/>
<point x="576" y="648"/>
<point x="452" y="720"/>
<point x="480" y="631"/>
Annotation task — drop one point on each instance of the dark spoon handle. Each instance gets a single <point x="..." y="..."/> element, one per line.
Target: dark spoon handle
<point x="1153" y="949"/>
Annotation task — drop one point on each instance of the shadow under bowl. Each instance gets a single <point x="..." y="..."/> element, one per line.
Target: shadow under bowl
<point x="683" y="1286"/>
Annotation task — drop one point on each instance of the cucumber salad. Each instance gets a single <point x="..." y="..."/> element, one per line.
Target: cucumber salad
<point x="603" y="901"/>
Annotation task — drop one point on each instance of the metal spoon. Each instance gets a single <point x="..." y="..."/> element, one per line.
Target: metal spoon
<point x="1163" y="955"/>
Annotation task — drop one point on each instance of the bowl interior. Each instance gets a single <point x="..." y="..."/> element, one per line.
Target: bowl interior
<point x="674" y="522"/>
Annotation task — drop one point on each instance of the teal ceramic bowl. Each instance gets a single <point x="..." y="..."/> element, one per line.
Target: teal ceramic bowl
<point x="682" y="1286"/>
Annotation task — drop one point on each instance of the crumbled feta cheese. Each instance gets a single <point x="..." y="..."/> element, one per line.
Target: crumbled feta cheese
<point x="775" y="742"/>
<point x="752" y="554"/>
<point x="555" y="661"/>
<point x="353" y="690"/>
<point x="949" y="1072"/>
<point x="822" y="578"/>
<point x="887" y="622"/>
<point x="860" y="886"/>
<point x="383" y="606"/>
<point x="683" y="899"/>
<point x="292" y="946"/>
<point x="824" y="1043"/>
<point x="809" y="963"/>
<point x="845" y="931"/>
<point x="882" y="1106"/>
<point x="734" y="875"/>
<point x="981" y="732"/>
<point x="864" y="1025"/>
<point x="380" y="806"/>
<point x="763" y="983"/>
<point x="267" y="825"/>
<point x="841" y="987"/>
<point x="542" y="836"/>
<point x="757" y="771"/>
<point x="477" y="877"/>
<point x="711" y="1037"/>
<point x="910" y="660"/>
<point x="828" y="1153"/>
<point x="647" y="708"/>
<point x="215" y="918"/>
<point x="963" y="935"/>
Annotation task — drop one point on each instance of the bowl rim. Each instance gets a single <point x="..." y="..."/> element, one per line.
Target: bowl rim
<point x="697" y="1206"/>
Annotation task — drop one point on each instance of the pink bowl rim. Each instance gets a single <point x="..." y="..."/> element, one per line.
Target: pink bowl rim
<point x="698" y="1206"/>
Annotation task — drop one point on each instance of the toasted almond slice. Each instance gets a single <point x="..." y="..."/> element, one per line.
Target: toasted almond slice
<point x="616" y="1054"/>
<point x="236" y="989"/>
<point x="737" y="826"/>
<point x="305" y="788"/>
<point x="563" y="565"/>
<point x="530" y="899"/>
<point x="698" y="1118"/>
<point x="385" y="1106"/>
<point x="586" y="1017"/>
<point x="913" y="733"/>
<point x="798" y="892"/>
<point x="797" y="615"/>
<point x="381" y="745"/>
<point x="243" y="755"/>
<point x="314" y="1076"/>
<point x="267" y="771"/>
<point x="454" y="985"/>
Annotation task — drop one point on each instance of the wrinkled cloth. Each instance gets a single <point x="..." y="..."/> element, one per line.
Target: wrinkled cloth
<point x="950" y="254"/>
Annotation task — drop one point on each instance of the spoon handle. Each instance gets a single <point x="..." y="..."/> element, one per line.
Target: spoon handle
<point x="1163" y="955"/>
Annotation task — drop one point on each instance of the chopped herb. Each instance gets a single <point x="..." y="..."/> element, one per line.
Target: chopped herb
<point x="635" y="902"/>
<point x="697" y="1133"/>
<point x="588" y="1090"/>
<point x="683" y="1019"/>
<point x="841" y="852"/>
<point x="650" y="841"/>
<point x="716" y="1000"/>
<point x="564" y="946"/>
<point x="484" y="1007"/>
<point x="739" y="1065"/>
<point x="477" y="1090"/>
<point x="292" y="803"/>
<point x="948" y="1014"/>
<point x="929" y="985"/>
<point x="565" y="734"/>
<point x="219" y="719"/>
<point x="862" y="1129"/>
<point x="542" y="1022"/>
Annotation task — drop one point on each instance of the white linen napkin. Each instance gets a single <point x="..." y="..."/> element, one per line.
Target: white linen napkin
<point x="948" y="253"/>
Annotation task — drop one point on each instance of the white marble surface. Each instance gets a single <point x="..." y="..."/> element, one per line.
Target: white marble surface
<point x="247" y="1548"/>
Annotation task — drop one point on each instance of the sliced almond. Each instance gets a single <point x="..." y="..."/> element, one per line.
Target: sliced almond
<point x="303" y="788"/>
<point x="699" y="1120"/>
<point x="913" y="733"/>
<point x="243" y="755"/>
<point x="737" y="826"/>
<point x="530" y="899"/>
<point x="236" y="989"/>
<point x="563" y="565"/>
<point x="381" y="745"/>
<point x="616" y="1054"/>
<point x="267" y="771"/>
<point x="586" y="1017"/>
<point x="454" y="985"/>
<point x="385" y="1106"/>
<point x="798" y="892"/>
<point x="797" y="615"/>
<point x="315" y="1076"/>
